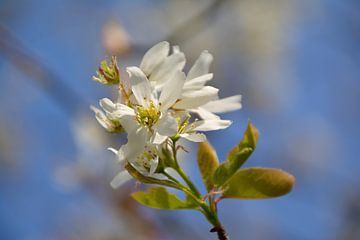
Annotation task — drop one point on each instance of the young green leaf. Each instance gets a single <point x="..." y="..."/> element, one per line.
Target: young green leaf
<point x="160" y="198"/>
<point x="258" y="183"/>
<point x="149" y="180"/>
<point x="237" y="156"/>
<point x="207" y="162"/>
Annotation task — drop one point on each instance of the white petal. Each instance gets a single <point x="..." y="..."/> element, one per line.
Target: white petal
<point x="181" y="115"/>
<point x="205" y="114"/>
<point x="171" y="90"/>
<point x="97" y="111"/>
<point x="135" y="145"/>
<point x="154" y="57"/>
<point x="113" y="150"/>
<point x="140" y="86"/>
<point x="210" y="125"/>
<point x="123" y="110"/>
<point x="195" y="99"/>
<point x="122" y="153"/>
<point x="107" y="105"/>
<point x="137" y="141"/>
<point x="158" y="138"/>
<point x="224" y="105"/>
<point x="101" y="118"/>
<point x="201" y="65"/>
<point x="171" y="172"/>
<point x="159" y="176"/>
<point x="176" y="49"/>
<point x="129" y="123"/>
<point x="153" y="165"/>
<point x="121" y="178"/>
<point x="194" y="137"/>
<point x="172" y="64"/>
<point x="198" y="82"/>
<point x="167" y="126"/>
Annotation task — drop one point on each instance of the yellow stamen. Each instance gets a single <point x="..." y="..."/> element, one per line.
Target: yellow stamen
<point x="147" y="116"/>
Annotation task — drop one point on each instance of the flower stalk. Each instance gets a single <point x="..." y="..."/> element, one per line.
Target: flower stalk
<point x="209" y="208"/>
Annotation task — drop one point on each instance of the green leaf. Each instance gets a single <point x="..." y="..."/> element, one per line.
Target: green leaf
<point x="160" y="198"/>
<point x="237" y="156"/>
<point x="207" y="162"/>
<point x="144" y="179"/>
<point x="258" y="183"/>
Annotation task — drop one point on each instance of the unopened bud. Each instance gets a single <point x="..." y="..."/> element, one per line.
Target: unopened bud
<point x="108" y="73"/>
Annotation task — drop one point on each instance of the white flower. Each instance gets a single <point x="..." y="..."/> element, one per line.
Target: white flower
<point x="157" y="105"/>
<point x="107" y="120"/>
<point x="190" y="131"/>
<point x="151" y="112"/>
<point x="145" y="163"/>
<point x="148" y="121"/>
<point x="202" y="99"/>
<point x="159" y="66"/>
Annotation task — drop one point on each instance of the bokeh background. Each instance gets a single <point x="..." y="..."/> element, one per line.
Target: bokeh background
<point x="296" y="64"/>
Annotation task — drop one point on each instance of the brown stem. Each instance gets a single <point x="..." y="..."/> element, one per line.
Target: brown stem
<point x="222" y="235"/>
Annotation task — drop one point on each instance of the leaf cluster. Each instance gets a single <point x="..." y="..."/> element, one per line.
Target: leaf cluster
<point x="225" y="179"/>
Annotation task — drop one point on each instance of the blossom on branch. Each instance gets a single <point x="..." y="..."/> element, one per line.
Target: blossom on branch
<point x="157" y="106"/>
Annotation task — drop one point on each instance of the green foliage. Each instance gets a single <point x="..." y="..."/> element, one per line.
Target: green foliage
<point x="149" y="180"/>
<point x="258" y="183"/>
<point x="237" y="156"/>
<point x="207" y="162"/>
<point x="160" y="198"/>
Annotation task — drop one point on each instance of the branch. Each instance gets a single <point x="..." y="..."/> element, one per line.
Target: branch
<point x="188" y="29"/>
<point x="15" y="52"/>
<point x="222" y="235"/>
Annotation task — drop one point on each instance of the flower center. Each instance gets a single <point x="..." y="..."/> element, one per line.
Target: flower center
<point x="147" y="116"/>
<point x="145" y="158"/>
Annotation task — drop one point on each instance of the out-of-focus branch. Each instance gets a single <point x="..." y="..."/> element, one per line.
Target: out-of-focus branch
<point x="13" y="50"/>
<point x="189" y="28"/>
<point x="194" y="24"/>
<point x="65" y="96"/>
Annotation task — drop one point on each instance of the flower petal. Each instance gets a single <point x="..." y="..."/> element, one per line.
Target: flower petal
<point x="158" y="138"/>
<point x="172" y="64"/>
<point x="194" y="137"/>
<point x="167" y="126"/>
<point x="210" y="125"/>
<point x="107" y="105"/>
<point x="176" y="49"/>
<point x="154" y="57"/>
<point x="140" y="86"/>
<point x="121" y="178"/>
<point x="224" y="105"/>
<point x="123" y="110"/>
<point x="153" y="165"/>
<point x="201" y="65"/>
<point x="171" y="90"/>
<point x="113" y="150"/>
<point x="198" y="82"/>
<point x="129" y="123"/>
<point x="205" y="114"/>
<point x="195" y="99"/>
<point x="134" y="147"/>
<point x="102" y="119"/>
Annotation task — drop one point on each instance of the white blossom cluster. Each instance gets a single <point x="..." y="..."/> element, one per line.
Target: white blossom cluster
<point x="156" y="104"/>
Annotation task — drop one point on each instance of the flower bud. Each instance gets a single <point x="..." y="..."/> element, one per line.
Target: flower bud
<point x="108" y="73"/>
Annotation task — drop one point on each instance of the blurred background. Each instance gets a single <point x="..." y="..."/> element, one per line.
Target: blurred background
<point x="296" y="64"/>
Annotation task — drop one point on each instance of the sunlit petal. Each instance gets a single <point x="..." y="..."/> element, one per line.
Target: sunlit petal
<point x="154" y="57"/>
